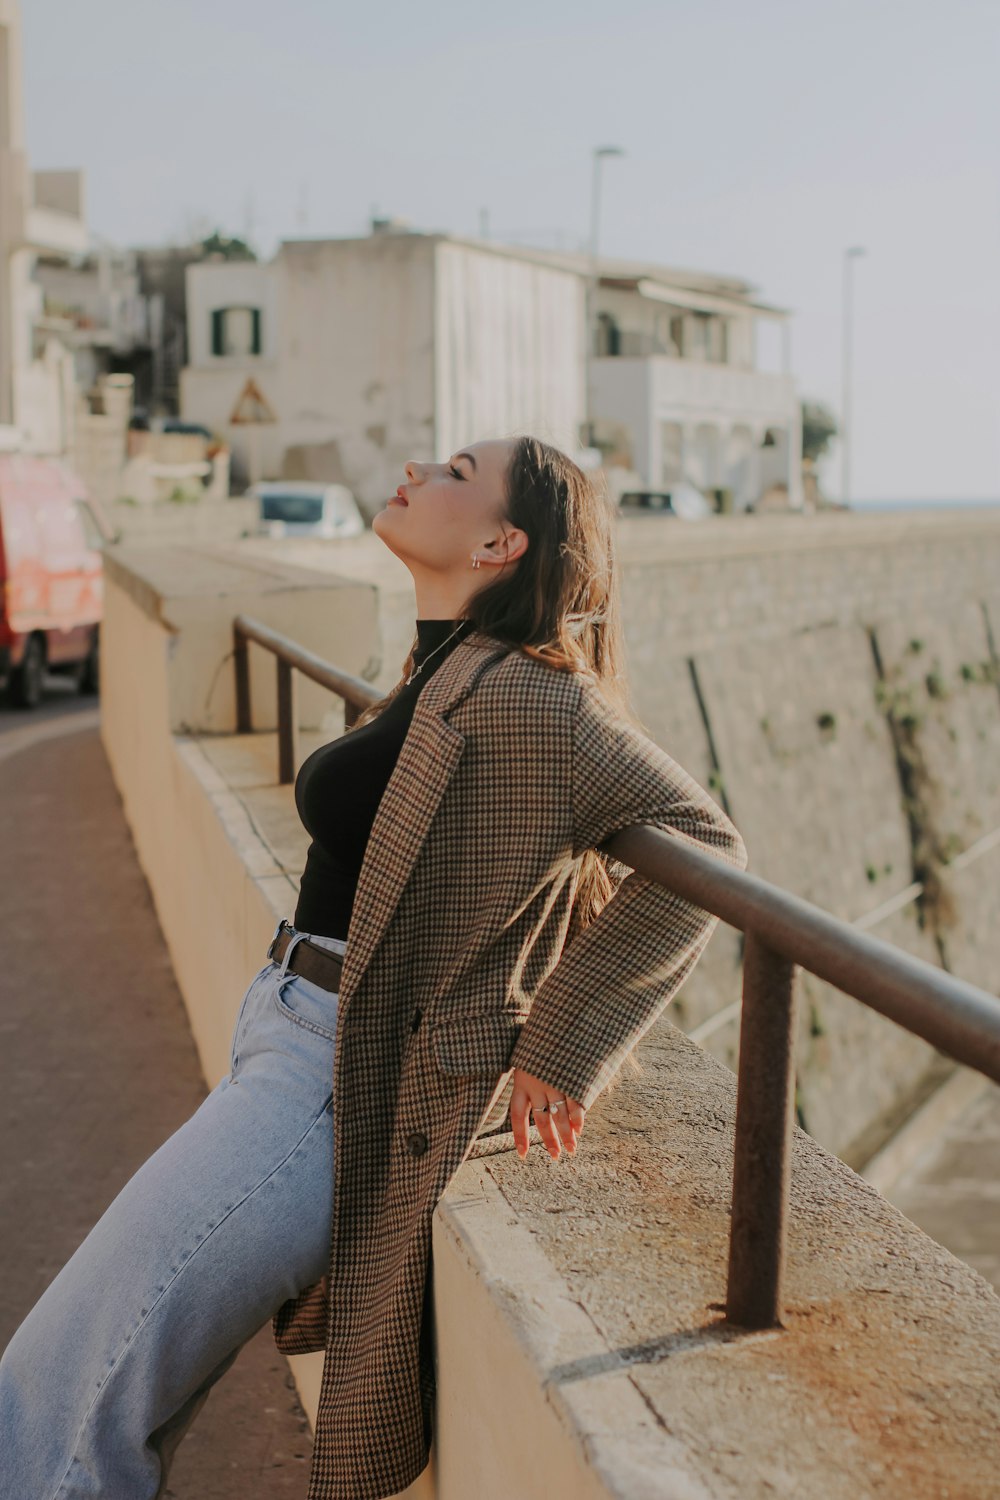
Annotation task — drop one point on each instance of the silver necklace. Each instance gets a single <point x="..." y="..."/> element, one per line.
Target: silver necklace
<point x="417" y="670"/>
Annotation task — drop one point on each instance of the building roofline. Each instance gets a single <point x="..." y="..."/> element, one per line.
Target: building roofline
<point x="626" y="272"/>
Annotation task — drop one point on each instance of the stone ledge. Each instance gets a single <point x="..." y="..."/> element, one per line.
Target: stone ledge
<point x="607" y="1271"/>
<point x="661" y="540"/>
<point x="236" y="773"/>
<point x="193" y="593"/>
<point x="153" y="576"/>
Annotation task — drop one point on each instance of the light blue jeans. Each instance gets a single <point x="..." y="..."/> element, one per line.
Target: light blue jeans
<point x="228" y="1219"/>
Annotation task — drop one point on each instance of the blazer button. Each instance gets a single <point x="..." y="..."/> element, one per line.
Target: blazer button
<point x="417" y="1143"/>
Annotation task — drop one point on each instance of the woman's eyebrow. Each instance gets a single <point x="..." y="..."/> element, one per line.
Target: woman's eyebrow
<point x="469" y="456"/>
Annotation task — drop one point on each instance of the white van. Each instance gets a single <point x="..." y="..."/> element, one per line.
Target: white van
<point x="294" y="507"/>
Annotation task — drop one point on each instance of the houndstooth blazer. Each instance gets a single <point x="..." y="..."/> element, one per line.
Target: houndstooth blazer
<point x="458" y="969"/>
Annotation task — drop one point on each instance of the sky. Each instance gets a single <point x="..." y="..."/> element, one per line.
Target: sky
<point x="761" y="140"/>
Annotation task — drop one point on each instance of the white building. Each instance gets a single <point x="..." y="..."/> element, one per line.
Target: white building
<point x="676" y="392"/>
<point x="401" y="345"/>
<point x="94" y="306"/>
<point x="373" y="351"/>
<point x="40" y="214"/>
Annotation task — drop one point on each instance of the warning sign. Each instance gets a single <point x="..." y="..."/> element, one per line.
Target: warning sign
<point x="252" y="407"/>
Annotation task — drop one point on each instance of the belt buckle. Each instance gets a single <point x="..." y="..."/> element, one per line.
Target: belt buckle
<point x="277" y="934"/>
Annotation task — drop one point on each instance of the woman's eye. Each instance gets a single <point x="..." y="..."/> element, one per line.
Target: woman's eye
<point x="455" y="474"/>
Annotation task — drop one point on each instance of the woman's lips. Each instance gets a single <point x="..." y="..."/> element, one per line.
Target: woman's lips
<point x="399" y="498"/>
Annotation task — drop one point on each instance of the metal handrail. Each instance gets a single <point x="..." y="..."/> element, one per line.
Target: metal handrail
<point x="291" y="658"/>
<point x="783" y="934"/>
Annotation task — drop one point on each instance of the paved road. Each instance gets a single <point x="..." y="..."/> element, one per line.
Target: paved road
<point x="952" y="1189"/>
<point x="97" y="1067"/>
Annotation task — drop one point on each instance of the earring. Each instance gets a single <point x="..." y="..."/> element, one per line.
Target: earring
<point x="475" y="559"/>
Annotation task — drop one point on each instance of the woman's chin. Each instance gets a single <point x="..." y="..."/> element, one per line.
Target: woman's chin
<point x="383" y="529"/>
<point x="378" y="521"/>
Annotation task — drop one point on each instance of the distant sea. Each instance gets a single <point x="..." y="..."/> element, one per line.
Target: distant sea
<point x="924" y="504"/>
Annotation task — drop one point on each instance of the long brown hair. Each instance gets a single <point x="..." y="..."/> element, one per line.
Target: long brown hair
<point x="561" y="602"/>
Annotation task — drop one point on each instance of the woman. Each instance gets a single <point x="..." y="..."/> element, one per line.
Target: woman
<point x="455" y="981"/>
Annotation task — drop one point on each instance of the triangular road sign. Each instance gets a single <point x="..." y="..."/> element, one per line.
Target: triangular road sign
<point x="252" y="407"/>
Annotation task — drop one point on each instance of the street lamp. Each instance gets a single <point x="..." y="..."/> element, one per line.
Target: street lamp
<point x="599" y="154"/>
<point x="850" y="255"/>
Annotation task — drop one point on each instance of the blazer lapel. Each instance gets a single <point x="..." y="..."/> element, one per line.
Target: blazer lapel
<point x="427" y="761"/>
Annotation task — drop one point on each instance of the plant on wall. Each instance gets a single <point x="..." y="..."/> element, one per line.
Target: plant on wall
<point x="930" y="848"/>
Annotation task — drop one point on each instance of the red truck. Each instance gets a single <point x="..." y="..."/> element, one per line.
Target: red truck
<point x="51" y="576"/>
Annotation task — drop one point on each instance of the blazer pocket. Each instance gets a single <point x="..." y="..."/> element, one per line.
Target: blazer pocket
<point x="475" y="1046"/>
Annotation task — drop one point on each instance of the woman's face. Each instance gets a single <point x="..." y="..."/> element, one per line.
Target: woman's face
<point x="445" y="512"/>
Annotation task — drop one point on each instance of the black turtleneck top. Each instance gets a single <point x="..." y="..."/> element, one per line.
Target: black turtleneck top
<point x="339" y="787"/>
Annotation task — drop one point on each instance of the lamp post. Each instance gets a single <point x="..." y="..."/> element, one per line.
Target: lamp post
<point x="850" y="255"/>
<point x="590" y="308"/>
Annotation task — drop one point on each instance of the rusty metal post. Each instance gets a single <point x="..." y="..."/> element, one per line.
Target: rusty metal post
<point x="288" y="722"/>
<point x="761" y="1165"/>
<point x="241" y="654"/>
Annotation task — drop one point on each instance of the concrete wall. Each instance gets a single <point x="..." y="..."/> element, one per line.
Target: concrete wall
<point x="159" y="521"/>
<point x="509" y="349"/>
<point x="359" y="345"/>
<point x="751" y="651"/>
<point x="97" y="452"/>
<point x="578" y="1332"/>
<point x="167" y="693"/>
<point x="217" y="887"/>
<point x="194" y="591"/>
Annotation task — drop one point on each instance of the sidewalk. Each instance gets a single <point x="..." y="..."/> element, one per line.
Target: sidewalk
<point x="97" y="1068"/>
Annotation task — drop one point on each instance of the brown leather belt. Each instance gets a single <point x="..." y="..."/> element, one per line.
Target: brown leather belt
<point x="308" y="959"/>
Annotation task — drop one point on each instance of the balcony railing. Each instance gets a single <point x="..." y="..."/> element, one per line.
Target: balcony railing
<point x="783" y="934"/>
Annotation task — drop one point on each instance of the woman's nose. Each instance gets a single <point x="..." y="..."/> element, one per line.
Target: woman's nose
<point x="413" y="471"/>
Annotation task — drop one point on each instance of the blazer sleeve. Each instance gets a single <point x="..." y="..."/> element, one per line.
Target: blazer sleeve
<point x="614" y="977"/>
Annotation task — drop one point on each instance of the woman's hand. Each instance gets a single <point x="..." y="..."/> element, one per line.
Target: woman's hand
<point x="555" y="1125"/>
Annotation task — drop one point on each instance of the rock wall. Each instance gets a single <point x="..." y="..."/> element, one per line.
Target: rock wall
<point x="835" y="682"/>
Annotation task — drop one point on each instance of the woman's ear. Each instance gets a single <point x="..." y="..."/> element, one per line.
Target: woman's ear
<point x="506" y="548"/>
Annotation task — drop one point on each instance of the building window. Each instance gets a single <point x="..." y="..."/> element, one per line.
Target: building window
<point x="608" y="335"/>
<point x="235" y="331"/>
<point x="717" y="341"/>
<point x="696" y="336"/>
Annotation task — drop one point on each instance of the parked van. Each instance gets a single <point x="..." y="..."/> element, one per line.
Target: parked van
<point x="51" y="576"/>
<point x="297" y="507"/>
